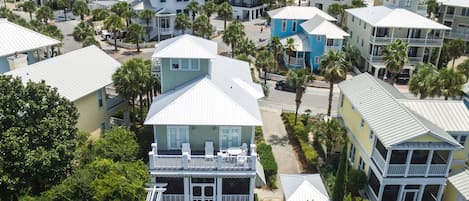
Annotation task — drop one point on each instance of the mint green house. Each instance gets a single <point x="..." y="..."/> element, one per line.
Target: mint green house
<point x="203" y="124"/>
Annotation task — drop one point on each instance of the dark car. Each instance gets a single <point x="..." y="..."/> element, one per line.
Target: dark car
<point x="403" y="77"/>
<point x="283" y="86"/>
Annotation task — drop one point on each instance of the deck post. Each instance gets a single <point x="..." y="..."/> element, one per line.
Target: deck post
<point x="186" y="189"/>
<point x="219" y="188"/>
<point x="251" y="188"/>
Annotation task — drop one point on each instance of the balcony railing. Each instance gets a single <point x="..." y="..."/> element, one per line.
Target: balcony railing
<point x="246" y="4"/>
<point x="379" y="160"/>
<point x="173" y="197"/>
<point x="455" y="34"/>
<point x="114" y="102"/>
<point x="235" y="197"/>
<point x="294" y="61"/>
<point x="417" y="170"/>
<point x="431" y="40"/>
<point x="381" y="58"/>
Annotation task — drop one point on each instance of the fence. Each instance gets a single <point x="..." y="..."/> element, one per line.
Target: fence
<point x="122" y="44"/>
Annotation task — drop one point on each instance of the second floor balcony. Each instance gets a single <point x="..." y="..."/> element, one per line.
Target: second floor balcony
<point x="425" y="41"/>
<point x="458" y="34"/>
<point x="246" y="3"/>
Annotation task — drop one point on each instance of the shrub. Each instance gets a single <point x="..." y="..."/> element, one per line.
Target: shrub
<point x="356" y="180"/>
<point x="258" y="135"/>
<point x="268" y="163"/>
<point x="310" y="154"/>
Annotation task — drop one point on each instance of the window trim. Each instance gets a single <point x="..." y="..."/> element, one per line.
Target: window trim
<point x="351" y="154"/>
<point x="230" y="128"/>
<point x="177" y="133"/>
<point x="293" y="28"/>
<point x="189" y="60"/>
<point x="362" y="123"/>
<point x="100" y="98"/>
<point x="284" y="25"/>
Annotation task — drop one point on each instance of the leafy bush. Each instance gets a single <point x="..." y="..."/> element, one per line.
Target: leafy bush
<point x="268" y="163"/>
<point x="258" y="135"/>
<point x="310" y="154"/>
<point x="356" y="180"/>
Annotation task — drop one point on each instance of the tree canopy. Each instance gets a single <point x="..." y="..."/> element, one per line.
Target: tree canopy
<point x="233" y="34"/>
<point x="456" y="49"/>
<point x="395" y="56"/>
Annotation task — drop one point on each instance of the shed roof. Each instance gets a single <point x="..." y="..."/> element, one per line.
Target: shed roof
<point x="319" y="26"/>
<point x="457" y="3"/>
<point x="382" y="16"/>
<point x="461" y="182"/>
<point x="299" y="13"/>
<point x="186" y="46"/>
<point x="301" y="187"/>
<point x="75" y="74"/>
<point x="15" y="38"/>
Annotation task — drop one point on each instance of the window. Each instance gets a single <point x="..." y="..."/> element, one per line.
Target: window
<point x="178" y="10"/>
<point x="316" y="60"/>
<point x="195" y="64"/>
<point x="284" y="25"/>
<point x="103" y="127"/>
<point x="351" y="34"/>
<point x="353" y="108"/>
<point x="465" y="12"/>
<point x="362" y="42"/>
<point x="362" y="123"/>
<point x="175" y="64"/>
<point x="351" y="154"/>
<point x="164" y="22"/>
<point x="462" y="140"/>
<point x="318" y="38"/>
<point x="230" y="136"/>
<point x="353" y="18"/>
<point x="293" y="28"/>
<point x="100" y="98"/>
<point x="408" y="3"/>
<point x="364" y="25"/>
<point x="372" y="134"/>
<point x="359" y="22"/>
<point x="185" y="64"/>
<point x="341" y="100"/>
<point x="176" y="135"/>
<point x="162" y="1"/>
<point x="330" y="42"/>
<point x="361" y="164"/>
<point x="358" y="39"/>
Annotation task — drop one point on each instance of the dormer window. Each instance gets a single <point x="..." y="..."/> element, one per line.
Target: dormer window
<point x="179" y="64"/>
<point x="175" y="64"/>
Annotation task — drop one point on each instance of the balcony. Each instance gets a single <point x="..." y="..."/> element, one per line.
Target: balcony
<point x="246" y="4"/>
<point x="417" y="170"/>
<point x="381" y="59"/>
<point x="379" y="160"/>
<point x="229" y="197"/>
<point x="430" y="41"/>
<point x="294" y="61"/>
<point x="455" y="34"/>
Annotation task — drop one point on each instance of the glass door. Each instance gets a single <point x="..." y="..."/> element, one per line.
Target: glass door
<point x="203" y="192"/>
<point x="410" y="195"/>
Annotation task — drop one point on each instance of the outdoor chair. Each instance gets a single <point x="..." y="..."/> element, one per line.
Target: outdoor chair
<point x="186" y="150"/>
<point x="209" y="150"/>
<point x="241" y="160"/>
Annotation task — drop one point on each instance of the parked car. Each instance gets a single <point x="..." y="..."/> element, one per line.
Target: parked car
<point x="283" y="86"/>
<point x="403" y="77"/>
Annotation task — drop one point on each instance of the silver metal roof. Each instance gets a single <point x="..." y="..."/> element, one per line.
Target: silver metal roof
<point x="300" y="13"/>
<point x="301" y="187"/>
<point x="461" y="182"/>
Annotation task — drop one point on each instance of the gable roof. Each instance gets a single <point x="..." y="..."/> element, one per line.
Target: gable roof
<point x="75" y="74"/>
<point x="186" y="46"/>
<point x="300" y="41"/>
<point x="392" y="122"/>
<point x="461" y="182"/>
<point x="456" y="3"/>
<point x="319" y="26"/>
<point x="448" y="115"/>
<point x="299" y="13"/>
<point x="15" y="38"/>
<point x="301" y="187"/>
<point x="382" y="16"/>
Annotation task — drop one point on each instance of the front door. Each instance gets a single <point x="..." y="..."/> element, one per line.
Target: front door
<point x="410" y="196"/>
<point x="203" y="192"/>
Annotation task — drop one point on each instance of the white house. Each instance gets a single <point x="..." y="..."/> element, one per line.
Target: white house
<point x="455" y="14"/>
<point x="301" y="187"/>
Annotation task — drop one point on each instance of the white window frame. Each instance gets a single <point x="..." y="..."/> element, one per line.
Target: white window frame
<point x="361" y="164"/>
<point x="284" y="25"/>
<point x="190" y="62"/>
<point x="351" y="154"/>
<point x="362" y="123"/>
<point x="293" y="27"/>
<point x="100" y="98"/>
<point x="178" y="137"/>
<point x="318" y="38"/>
<point x="316" y="60"/>
<point x="230" y="136"/>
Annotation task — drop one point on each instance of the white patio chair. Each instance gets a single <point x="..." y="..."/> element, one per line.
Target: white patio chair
<point x="186" y="150"/>
<point x="241" y="160"/>
<point x="244" y="147"/>
<point x="209" y="150"/>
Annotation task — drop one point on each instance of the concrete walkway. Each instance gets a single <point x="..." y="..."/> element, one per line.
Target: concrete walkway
<point x="276" y="135"/>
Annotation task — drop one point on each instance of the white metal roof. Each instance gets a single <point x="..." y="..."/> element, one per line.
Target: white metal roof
<point x="449" y="115"/>
<point x="302" y="187"/>
<point x="186" y="46"/>
<point x="15" y="38"/>
<point x="461" y="182"/>
<point x="300" y="13"/>
<point x="382" y="16"/>
<point x="75" y="74"/>
<point x="319" y="26"/>
<point x="301" y="42"/>
<point x="392" y="122"/>
<point x="456" y="3"/>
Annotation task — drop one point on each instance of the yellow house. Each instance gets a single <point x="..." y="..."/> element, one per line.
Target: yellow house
<point x="458" y="187"/>
<point x="82" y="76"/>
<point x="405" y="155"/>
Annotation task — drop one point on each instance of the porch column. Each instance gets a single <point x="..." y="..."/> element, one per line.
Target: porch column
<point x="38" y="55"/>
<point x="411" y="32"/>
<point x="421" y="192"/>
<point x="249" y="15"/>
<point x="407" y="162"/>
<point x="440" y="192"/>
<point x="374" y="34"/>
<point x="372" y="52"/>
<point x="392" y="33"/>
<point x="450" y="161"/>
<point x="252" y="134"/>
<point x="251" y="188"/>
<point x="47" y="51"/>
<point x="187" y="195"/>
<point x="219" y="188"/>
<point x="381" y="191"/>
<point x="426" y="39"/>
<point x="386" y="165"/>
<point x="429" y="162"/>
<point x="439" y="52"/>
<point x="401" y="192"/>
<point x="158" y="27"/>
<point x="154" y="133"/>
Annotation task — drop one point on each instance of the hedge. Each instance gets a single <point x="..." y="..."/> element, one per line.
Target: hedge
<point x="268" y="163"/>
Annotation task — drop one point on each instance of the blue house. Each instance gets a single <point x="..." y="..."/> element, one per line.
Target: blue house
<point x="312" y="31"/>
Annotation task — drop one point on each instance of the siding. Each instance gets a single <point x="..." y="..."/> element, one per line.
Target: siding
<point x="5" y="67"/>
<point x="317" y="49"/>
<point x="176" y="78"/>
<point x="276" y="28"/>
<point x="90" y="114"/>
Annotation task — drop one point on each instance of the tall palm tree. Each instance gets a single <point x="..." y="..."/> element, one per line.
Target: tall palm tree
<point x="424" y="82"/>
<point x="298" y="79"/>
<point x="265" y="61"/>
<point x="245" y="45"/>
<point x="99" y="14"/>
<point x="456" y="49"/>
<point x="351" y="54"/>
<point x="337" y="10"/>
<point x="53" y="32"/>
<point x="395" y="56"/>
<point x="329" y="132"/>
<point x="233" y="33"/>
<point x="80" y="8"/>
<point x="44" y="14"/>
<point x="29" y="7"/>
<point x="334" y="66"/>
<point x="119" y="8"/>
<point x="81" y="31"/>
<point x="451" y="82"/>
<point x="128" y="15"/>
<point x="182" y="22"/>
<point x="135" y="33"/>
<point x="115" y="24"/>
<point x="290" y="48"/>
<point x="209" y="8"/>
<point x="63" y="4"/>
<point x="202" y="26"/>
<point x="226" y="12"/>
<point x="277" y="49"/>
<point x="147" y="15"/>
<point x="194" y="7"/>
<point x="432" y="8"/>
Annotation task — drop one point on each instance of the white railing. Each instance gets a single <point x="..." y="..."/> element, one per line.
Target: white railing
<point x="173" y="197"/>
<point x="235" y="197"/>
<point x="456" y="34"/>
<point x="412" y="41"/>
<point x="294" y="61"/>
<point x="376" y="58"/>
<point x="417" y="170"/>
<point x="378" y="159"/>
<point x="439" y="169"/>
<point x="396" y="169"/>
<point x="415" y="59"/>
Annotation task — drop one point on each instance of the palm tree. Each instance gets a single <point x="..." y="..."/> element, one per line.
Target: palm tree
<point x="456" y="49"/>
<point x="119" y="8"/>
<point x="290" y="48"/>
<point x="193" y="6"/>
<point x="395" y="56"/>
<point x="29" y="7"/>
<point x="277" y="49"/>
<point x="135" y="33"/>
<point x="115" y="24"/>
<point x="298" y="80"/>
<point x="81" y="31"/>
<point x="202" y="27"/>
<point x="44" y="14"/>
<point x="351" y="54"/>
<point x="243" y="57"/>
<point x="265" y="61"/>
<point x="99" y="14"/>
<point x="358" y="4"/>
<point x="128" y="15"/>
<point x="245" y="45"/>
<point x="63" y="4"/>
<point x="337" y="10"/>
<point x="334" y="66"/>
<point x="234" y="32"/>
<point x="53" y="32"/>
<point x="226" y="12"/>
<point x="80" y="8"/>
<point x="90" y="41"/>
<point x="209" y="7"/>
<point x="464" y="68"/>
<point x="182" y="22"/>
<point x="451" y="82"/>
<point x="424" y="82"/>
<point x="147" y="15"/>
<point x="432" y="8"/>
<point x="329" y="132"/>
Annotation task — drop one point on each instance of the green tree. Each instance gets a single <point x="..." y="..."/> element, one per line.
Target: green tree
<point x="44" y="14"/>
<point x="37" y="144"/>
<point x="135" y="33"/>
<point x="338" y="191"/>
<point x="209" y="8"/>
<point x="99" y="14"/>
<point x="424" y="82"/>
<point x="226" y="12"/>
<point x="464" y="68"/>
<point x="120" y="8"/>
<point x="395" y="56"/>
<point x="243" y="57"/>
<point x="81" y="31"/>
<point x="432" y="8"/>
<point x="298" y="80"/>
<point x="245" y="46"/>
<point x="194" y="7"/>
<point x="80" y="8"/>
<point x="265" y="61"/>
<point x="358" y="4"/>
<point x="233" y="33"/>
<point x="182" y="22"/>
<point x="450" y="82"/>
<point x="54" y="32"/>
<point x="356" y="181"/>
<point x="329" y="132"/>
<point x="147" y="15"/>
<point x="290" y="48"/>
<point x="334" y="66"/>
<point x="338" y="10"/>
<point x="277" y="49"/>
<point x="352" y="54"/>
<point x="90" y="41"/>
<point x="114" y="23"/>
<point x="442" y="56"/>
<point x="456" y="49"/>
<point x="202" y="27"/>
<point x="128" y="15"/>
<point x="62" y="4"/>
<point x="29" y="7"/>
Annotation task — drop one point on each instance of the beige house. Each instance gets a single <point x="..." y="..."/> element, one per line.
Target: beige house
<point x="455" y="14"/>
